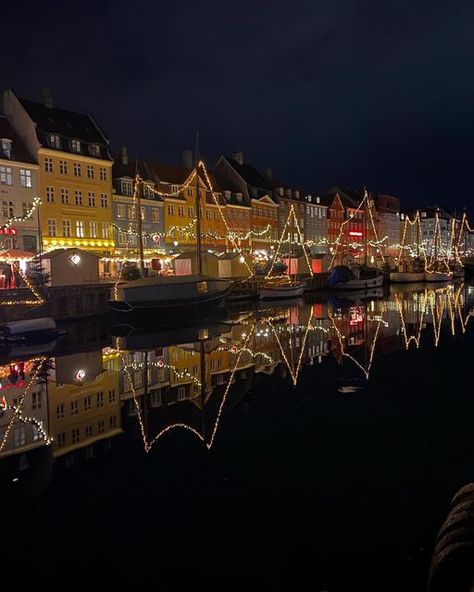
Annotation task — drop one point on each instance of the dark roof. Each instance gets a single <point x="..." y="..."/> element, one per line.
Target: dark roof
<point x="168" y="173"/>
<point x="67" y="125"/>
<point x="18" y="148"/>
<point x="128" y="170"/>
<point x="350" y="197"/>
<point x="250" y="175"/>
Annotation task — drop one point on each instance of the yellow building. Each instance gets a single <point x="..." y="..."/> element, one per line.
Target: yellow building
<point x="178" y="186"/>
<point x="75" y="173"/>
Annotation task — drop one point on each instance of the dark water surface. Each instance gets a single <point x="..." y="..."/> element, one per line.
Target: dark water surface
<point x="314" y="445"/>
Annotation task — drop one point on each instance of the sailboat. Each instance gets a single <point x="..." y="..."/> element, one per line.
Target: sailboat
<point x="435" y="271"/>
<point x="411" y="270"/>
<point x="283" y="287"/>
<point x="184" y="295"/>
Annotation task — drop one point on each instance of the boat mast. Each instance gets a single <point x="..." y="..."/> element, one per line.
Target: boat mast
<point x="139" y="226"/>
<point x="198" y="209"/>
<point x="366" y="211"/>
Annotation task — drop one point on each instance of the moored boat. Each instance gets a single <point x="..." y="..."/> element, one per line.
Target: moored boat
<point x="359" y="278"/>
<point x="404" y="277"/>
<point x="278" y="290"/>
<point x="438" y="276"/>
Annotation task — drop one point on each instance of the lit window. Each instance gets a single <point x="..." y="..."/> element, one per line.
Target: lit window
<point x="6" y="176"/>
<point x="121" y="211"/>
<point x="94" y="150"/>
<point x="25" y="178"/>
<point x="105" y="230"/>
<point x="155" y="215"/>
<point x="127" y="187"/>
<point x="75" y="146"/>
<point x="79" y="228"/>
<point x="93" y="229"/>
<point x="91" y="199"/>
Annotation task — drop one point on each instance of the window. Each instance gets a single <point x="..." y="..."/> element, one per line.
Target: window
<point x="75" y="146"/>
<point x="122" y="238"/>
<point x="67" y="228"/>
<point x="174" y="189"/>
<point x="36" y="435"/>
<point x="88" y="431"/>
<point x="63" y="167"/>
<point x="6" y="175"/>
<point x="131" y="212"/>
<point x="190" y="192"/>
<point x="36" y="400"/>
<point x="191" y="212"/>
<point x="8" y="209"/>
<point x="112" y="421"/>
<point x="65" y="196"/>
<point x="127" y="187"/>
<point x="6" y="147"/>
<point x="75" y="435"/>
<point x="170" y="210"/>
<point x="50" y="194"/>
<point x="121" y="211"/>
<point x="74" y="408"/>
<point x="79" y="228"/>
<point x="102" y="174"/>
<point x="90" y="171"/>
<point x="180" y="211"/>
<point x="208" y="214"/>
<point x="61" y="440"/>
<point x="181" y="393"/>
<point x="78" y="197"/>
<point x="77" y="169"/>
<point x="112" y="396"/>
<point x="104" y="200"/>
<point x="148" y="191"/>
<point x="155" y="215"/>
<point x="93" y="229"/>
<point x="94" y="150"/>
<point x="105" y="230"/>
<point x="60" y="411"/>
<point x="48" y="165"/>
<point x="216" y="216"/>
<point x="100" y="426"/>
<point x="25" y="178"/>
<point x="54" y="141"/>
<point x="87" y="403"/>
<point x="91" y="199"/>
<point x="26" y="207"/>
<point x="51" y="227"/>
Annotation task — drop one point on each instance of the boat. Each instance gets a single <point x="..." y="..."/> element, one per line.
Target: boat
<point x="405" y="277"/>
<point x="37" y="330"/>
<point x="357" y="278"/>
<point x="277" y="290"/>
<point x="438" y="276"/>
<point x="183" y="295"/>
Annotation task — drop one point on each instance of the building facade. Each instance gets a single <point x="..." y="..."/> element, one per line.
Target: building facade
<point x="316" y="225"/>
<point x="75" y="173"/>
<point x="388" y="210"/>
<point x="18" y="189"/>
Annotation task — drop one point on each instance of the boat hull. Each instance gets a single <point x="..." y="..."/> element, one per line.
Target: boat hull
<point x="281" y="292"/>
<point x="438" y="277"/>
<point x="400" y="277"/>
<point x="360" y="284"/>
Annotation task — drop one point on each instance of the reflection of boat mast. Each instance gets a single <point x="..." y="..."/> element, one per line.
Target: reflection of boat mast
<point x="202" y="360"/>
<point x="198" y="209"/>
<point x="145" y="392"/>
<point x="138" y="216"/>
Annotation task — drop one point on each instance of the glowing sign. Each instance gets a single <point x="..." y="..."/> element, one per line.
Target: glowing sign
<point x="80" y="375"/>
<point x="75" y="259"/>
<point x="355" y="233"/>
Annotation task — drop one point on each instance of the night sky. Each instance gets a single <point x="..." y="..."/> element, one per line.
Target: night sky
<point x="340" y="92"/>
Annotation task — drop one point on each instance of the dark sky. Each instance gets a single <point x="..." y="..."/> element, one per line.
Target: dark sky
<point x="347" y="92"/>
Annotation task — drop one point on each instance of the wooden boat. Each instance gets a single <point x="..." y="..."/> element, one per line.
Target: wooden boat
<point x="188" y="294"/>
<point x="438" y="276"/>
<point x="277" y="290"/>
<point x="404" y="277"/>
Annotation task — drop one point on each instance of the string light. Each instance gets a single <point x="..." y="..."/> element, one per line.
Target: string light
<point x="26" y="216"/>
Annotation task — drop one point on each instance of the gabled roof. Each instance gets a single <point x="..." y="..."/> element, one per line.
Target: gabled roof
<point x="250" y="175"/>
<point x="350" y="197"/>
<point x="168" y="173"/>
<point x="56" y="252"/>
<point x="18" y="148"/>
<point x="128" y="170"/>
<point x="66" y="124"/>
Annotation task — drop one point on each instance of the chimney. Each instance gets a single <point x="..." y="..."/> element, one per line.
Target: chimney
<point x="124" y="155"/>
<point x="188" y="159"/>
<point x="47" y="98"/>
<point x="239" y="157"/>
<point x="269" y="174"/>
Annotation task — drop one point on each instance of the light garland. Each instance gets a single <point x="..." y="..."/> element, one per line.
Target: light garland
<point x="19" y="219"/>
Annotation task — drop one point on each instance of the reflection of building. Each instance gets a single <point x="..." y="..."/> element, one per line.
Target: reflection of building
<point x="84" y="402"/>
<point x="18" y="188"/>
<point x="388" y="209"/>
<point x="28" y="415"/>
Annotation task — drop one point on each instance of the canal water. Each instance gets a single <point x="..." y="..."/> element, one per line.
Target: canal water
<point x="312" y="444"/>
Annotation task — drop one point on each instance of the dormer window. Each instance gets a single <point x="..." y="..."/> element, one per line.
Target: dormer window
<point x="94" y="150"/>
<point x="6" y="147"/>
<point x="54" y="141"/>
<point x="148" y="190"/>
<point x="318" y="199"/>
<point x="127" y="187"/>
<point x="75" y="146"/>
<point x="423" y="214"/>
<point x="239" y="197"/>
<point x="310" y="198"/>
<point x="174" y="189"/>
<point x="227" y="195"/>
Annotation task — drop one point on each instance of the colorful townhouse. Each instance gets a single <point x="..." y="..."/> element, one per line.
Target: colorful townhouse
<point x="316" y="224"/>
<point x="257" y="191"/>
<point x="75" y="172"/>
<point x="18" y="191"/>
<point x="388" y="210"/>
<point x="125" y="210"/>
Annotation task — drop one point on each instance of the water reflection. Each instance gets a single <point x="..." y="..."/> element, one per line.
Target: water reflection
<point x="151" y="383"/>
